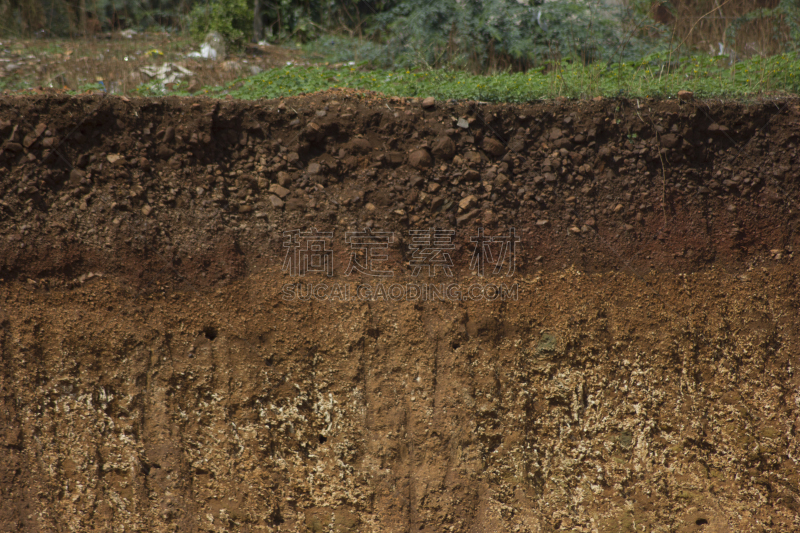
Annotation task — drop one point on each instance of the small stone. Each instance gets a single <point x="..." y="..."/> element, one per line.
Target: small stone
<point x="685" y="95"/>
<point x="113" y="158"/>
<point x="542" y="222"/>
<point x="146" y="209"/>
<point x="443" y="147"/>
<point x="420" y="159"/>
<point x="493" y="146"/>
<point x="245" y="208"/>
<point x="670" y="140"/>
<point x="472" y="157"/>
<point x="575" y="229"/>
<point x="471" y="175"/>
<point x="279" y="190"/>
<point x="169" y="134"/>
<point x="429" y="102"/>
<point x="466" y="217"/>
<point x="314" y="168"/>
<point x="463" y="123"/>
<point x="313" y="131"/>
<point x="292" y="158"/>
<point x="555" y="133"/>
<point x="369" y="207"/>
<point x="433" y="187"/>
<point x="75" y="177"/>
<point x="395" y="158"/>
<point x="416" y="181"/>
<point x="591" y="223"/>
<point x="467" y="202"/>
<point x="284" y="179"/>
<point x="436" y="203"/>
<point x="276" y="202"/>
<point x="360" y="145"/>
<point x="618" y="208"/>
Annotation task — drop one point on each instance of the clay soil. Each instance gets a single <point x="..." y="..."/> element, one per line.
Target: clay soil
<point x="160" y="372"/>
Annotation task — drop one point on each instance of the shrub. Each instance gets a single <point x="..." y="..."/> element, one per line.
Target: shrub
<point x="232" y="19"/>
<point x="491" y="35"/>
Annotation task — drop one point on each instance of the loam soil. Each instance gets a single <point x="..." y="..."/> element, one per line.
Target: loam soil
<point x="156" y="373"/>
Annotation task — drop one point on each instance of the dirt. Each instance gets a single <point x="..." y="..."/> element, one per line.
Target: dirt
<point x="116" y="64"/>
<point x="163" y="370"/>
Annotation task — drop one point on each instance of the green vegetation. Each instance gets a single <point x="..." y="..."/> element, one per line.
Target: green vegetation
<point x="232" y="19"/>
<point x="533" y="49"/>
<point x="703" y="75"/>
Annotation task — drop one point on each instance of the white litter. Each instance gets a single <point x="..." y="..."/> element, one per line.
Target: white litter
<point x="167" y="73"/>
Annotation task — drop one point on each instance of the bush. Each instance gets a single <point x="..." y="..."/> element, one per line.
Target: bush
<point x="232" y="19"/>
<point x="492" y="35"/>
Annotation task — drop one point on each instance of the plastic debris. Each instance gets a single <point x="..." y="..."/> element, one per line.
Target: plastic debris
<point x="167" y="73"/>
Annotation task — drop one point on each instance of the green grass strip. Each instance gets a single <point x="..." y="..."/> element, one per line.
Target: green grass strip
<point x="705" y="76"/>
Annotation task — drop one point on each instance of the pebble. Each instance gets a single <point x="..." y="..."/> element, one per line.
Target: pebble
<point x="467" y="202"/>
<point x="443" y="147"/>
<point x="493" y="146"/>
<point x="429" y="102"/>
<point x="420" y="159"/>
<point x="466" y="217"/>
<point x="279" y="190"/>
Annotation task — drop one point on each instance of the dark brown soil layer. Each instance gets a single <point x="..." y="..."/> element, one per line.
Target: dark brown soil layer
<point x="154" y="376"/>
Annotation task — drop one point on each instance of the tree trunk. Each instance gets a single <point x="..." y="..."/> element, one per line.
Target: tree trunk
<point x="82" y="18"/>
<point x="258" y="29"/>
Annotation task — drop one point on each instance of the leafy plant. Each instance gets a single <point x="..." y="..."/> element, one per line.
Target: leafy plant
<point x="492" y="35"/>
<point x="232" y="19"/>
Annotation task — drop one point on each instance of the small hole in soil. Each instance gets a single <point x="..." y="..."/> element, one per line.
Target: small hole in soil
<point x="210" y="332"/>
<point x="701" y="522"/>
<point x="323" y="439"/>
<point x="456" y="345"/>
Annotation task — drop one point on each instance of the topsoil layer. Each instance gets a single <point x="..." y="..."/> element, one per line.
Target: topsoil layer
<point x="172" y="359"/>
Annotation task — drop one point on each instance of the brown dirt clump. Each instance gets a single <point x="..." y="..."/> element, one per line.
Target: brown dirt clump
<point x="164" y="370"/>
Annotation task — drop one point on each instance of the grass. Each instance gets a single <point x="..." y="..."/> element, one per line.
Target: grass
<point x="705" y="76"/>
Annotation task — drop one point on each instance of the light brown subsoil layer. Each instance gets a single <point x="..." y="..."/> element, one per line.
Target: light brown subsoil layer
<point x="156" y="373"/>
